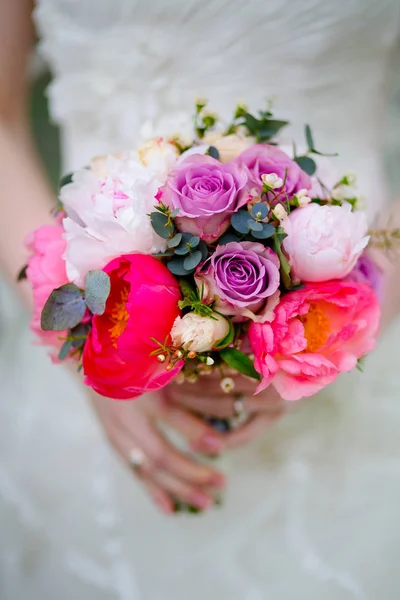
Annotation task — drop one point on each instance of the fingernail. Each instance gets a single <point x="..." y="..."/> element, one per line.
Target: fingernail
<point x="201" y="500"/>
<point x="211" y="442"/>
<point x="218" y="480"/>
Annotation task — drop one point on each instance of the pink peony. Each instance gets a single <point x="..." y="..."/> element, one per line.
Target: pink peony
<point x="46" y="271"/>
<point x="315" y="334"/>
<point x="143" y="304"/>
<point x="324" y="242"/>
<point x="263" y="159"/>
<point x="207" y="193"/>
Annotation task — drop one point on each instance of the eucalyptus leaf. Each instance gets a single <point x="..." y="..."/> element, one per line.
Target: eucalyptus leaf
<point x="192" y="261"/>
<point x="194" y="241"/>
<point x="270" y="128"/>
<point x="259" y="211"/>
<point x="240" y="220"/>
<point x="65" y="308"/>
<point x="213" y="152"/>
<point x="239" y="361"/>
<point x="175" y="241"/>
<point x="284" y="263"/>
<point x="268" y="230"/>
<point x="227" y="238"/>
<point x="97" y="290"/>
<point x="203" y="249"/>
<point x="182" y="249"/>
<point x="159" y="222"/>
<point x="65" y="350"/>
<point x="255" y="225"/>
<point x="175" y="265"/>
<point x="309" y="138"/>
<point x="307" y="164"/>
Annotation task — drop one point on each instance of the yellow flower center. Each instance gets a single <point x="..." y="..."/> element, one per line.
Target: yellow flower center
<point x="119" y="316"/>
<point x="316" y="327"/>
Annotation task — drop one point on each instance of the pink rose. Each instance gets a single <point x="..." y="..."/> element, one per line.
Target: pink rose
<point x="324" y="242"/>
<point x="207" y="193"/>
<point x="315" y="334"/>
<point x="46" y="271"/>
<point x="263" y="159"/>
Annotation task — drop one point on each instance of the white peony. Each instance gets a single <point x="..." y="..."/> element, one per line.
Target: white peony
<point x="107" y="210"/>
<point x="193" y="332"/>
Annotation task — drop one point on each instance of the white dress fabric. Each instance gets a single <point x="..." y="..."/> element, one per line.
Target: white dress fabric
<point x="311" y="510"/>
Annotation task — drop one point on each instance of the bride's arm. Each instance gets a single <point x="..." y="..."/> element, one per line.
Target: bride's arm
<point x="25" y="196"/>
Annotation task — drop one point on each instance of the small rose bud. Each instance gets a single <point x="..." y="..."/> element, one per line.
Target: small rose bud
<point x="279" y="212"/>
<point x="178" y="354"/>
<point x="198" y="334"/>
<point x="302" y="198"/>
<point x="227" y="385"/>
<point x="161" y="358"/>
<point x="209" y="361"/>
<point x="272" y="180"/>
<point x="169" y="367"/>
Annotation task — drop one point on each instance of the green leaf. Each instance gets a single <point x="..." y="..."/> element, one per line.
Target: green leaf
<point x="270" y="128"/>
<point x="97" y="290"/>
<point x="239" y="361"/>
<point x="159" y="222"/>
<point x="252" y="124"/>
<point x="240" y="221"/>
<point x="175" y="265"/>
<point x="309" y="138"/>
<point x="22" y="274"/>
<point x="259" y="211"/>
<point x="284" y="263"/>
<point x="182" y="249"/>
<point x="228" y="339"/>
<point x="65" y="349"/>
<point x="255" y="225"/>
<point x="227" y="238"/>
<point x="65" y="179"/>
<point x="194" y="241"/>
<point x="192" y="260"/>
<point x="175" y="241"/>
<point x="65" y="308"/>
<point x="307" y="164"/>
<point x="213" y="152"/>
<point x="267" y="231"/>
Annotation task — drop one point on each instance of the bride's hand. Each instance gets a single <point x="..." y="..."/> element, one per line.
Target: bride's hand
<point x="206" y="398"/>
<point x="167" y="473"/>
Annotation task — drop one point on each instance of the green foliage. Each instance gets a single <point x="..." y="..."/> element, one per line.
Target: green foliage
<point x="161" y="224"/>
<point x="213" y="152"/>
<point x="307" y="164"/>
<point x="240" y="361"/>
<point x="279" y="236"/>
<point x="97" y="290"/>
<point x="65" y="308"/>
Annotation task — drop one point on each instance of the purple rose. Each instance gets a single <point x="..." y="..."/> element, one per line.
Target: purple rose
<point x="366" y="271"/>
<point x="207" y="193"/>
<point x="263" y="159"/>
<point x="242" y="276"/>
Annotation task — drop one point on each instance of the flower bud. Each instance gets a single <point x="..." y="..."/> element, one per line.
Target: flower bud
<point x="272" y="180"/>
<point x="279" y="212"/>
<point x="199" y="334"/>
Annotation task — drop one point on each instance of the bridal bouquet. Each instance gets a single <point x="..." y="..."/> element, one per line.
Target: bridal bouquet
<point x="224" y="253"/>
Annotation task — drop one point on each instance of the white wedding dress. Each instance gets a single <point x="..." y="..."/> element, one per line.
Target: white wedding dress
<point x="312" y="508"/>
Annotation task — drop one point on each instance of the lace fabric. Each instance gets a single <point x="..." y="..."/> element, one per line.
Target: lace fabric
<point x="310" y="507"/>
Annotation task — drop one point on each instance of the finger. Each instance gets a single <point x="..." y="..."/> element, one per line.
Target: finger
<point x="164" y="456"/>
<point x="251" y="430"/>
<point x="224" y="407"/>
<point x="160" y="497"/>
<point x="182" y="491"/>
<point x="200" y="436"/>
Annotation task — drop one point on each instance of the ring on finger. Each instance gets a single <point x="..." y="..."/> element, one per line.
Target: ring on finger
<point x="240" y="414"/>
<point x="138" y="460"/>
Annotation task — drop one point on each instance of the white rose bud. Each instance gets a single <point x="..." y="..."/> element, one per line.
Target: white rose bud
<point x="279" y="212"/>
<point x="200" y="334"/>
<point x="272" y="180"/>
